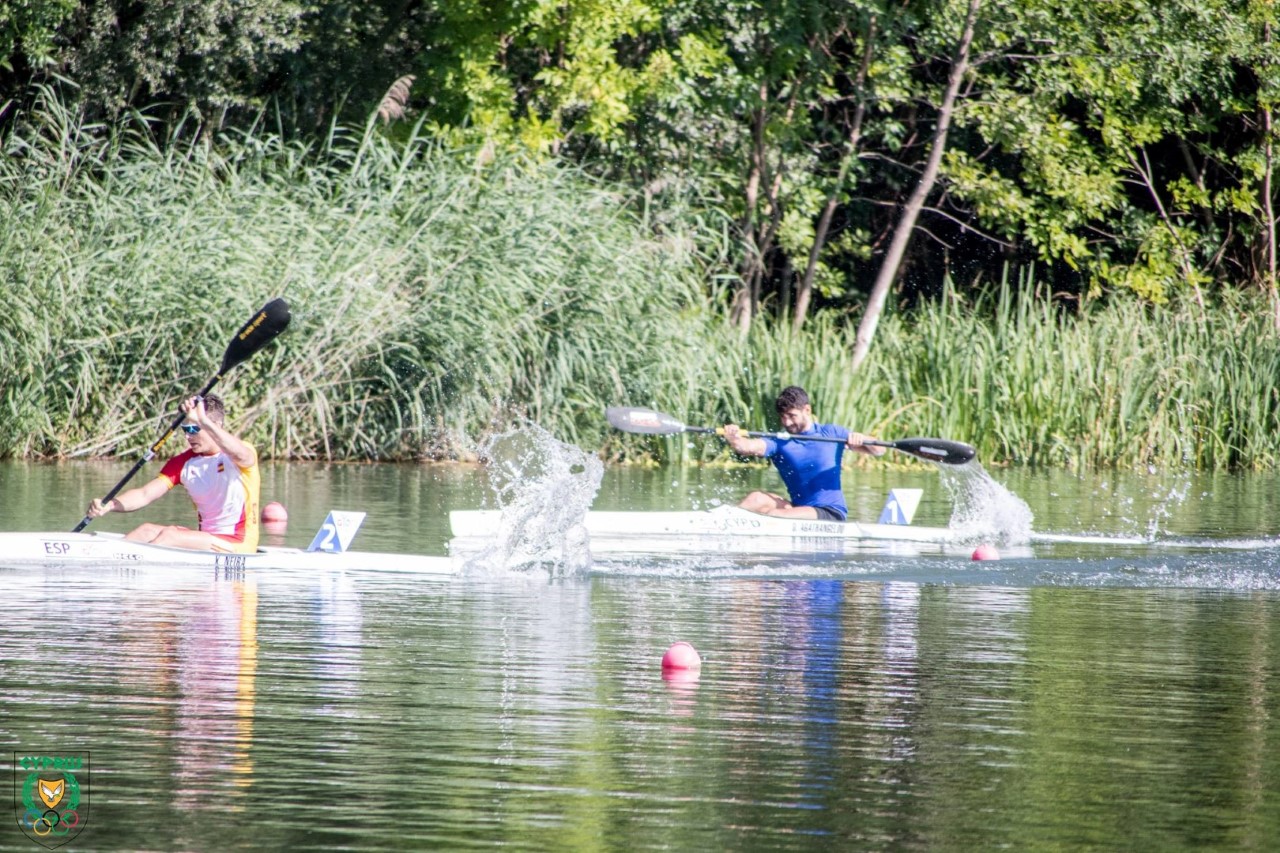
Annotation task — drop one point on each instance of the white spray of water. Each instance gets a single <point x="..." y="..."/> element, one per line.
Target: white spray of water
<point x="1166" y="501"/>
<point x="543" y="487"/>
<point x="984" y="509"/>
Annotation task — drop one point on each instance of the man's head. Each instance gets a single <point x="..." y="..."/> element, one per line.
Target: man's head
<point x="215" y="408"/>
<point x="794" y="410"/>
<point x="196" y="438"/>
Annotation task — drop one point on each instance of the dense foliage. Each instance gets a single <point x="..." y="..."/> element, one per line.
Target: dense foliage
<point x="431" y="299"/>
<point x="542" y="208"/>
<point x="1126" y="147"/>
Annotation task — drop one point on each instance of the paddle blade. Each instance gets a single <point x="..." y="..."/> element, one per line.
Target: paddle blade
<point x="935" y="450"/>
<point x="643" y="421"/>
<point x="261" y="329"/>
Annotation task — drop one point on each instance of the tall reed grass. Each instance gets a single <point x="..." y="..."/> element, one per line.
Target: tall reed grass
<point x="1121" y="384"/>
<point x="437" y="297"/>
<point x="433" y="299"/>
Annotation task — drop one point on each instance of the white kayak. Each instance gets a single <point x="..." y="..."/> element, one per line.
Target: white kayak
<point x="722" y="521"/>
<point x="733" y="529"/>
<point x="112" y="549"/>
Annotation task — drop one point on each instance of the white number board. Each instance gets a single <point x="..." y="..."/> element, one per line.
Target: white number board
<point x="336" y="533"/>
<point x="900" y="508"/>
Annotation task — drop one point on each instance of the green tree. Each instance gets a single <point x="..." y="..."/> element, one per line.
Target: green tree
<point x="960" y="59"/>
<point x="1129" y="143"/>
<point x="770" y="114"/>
<point x="27" y="29"/>
<point x="210" y="55"/>
<point x="537" y="75"/>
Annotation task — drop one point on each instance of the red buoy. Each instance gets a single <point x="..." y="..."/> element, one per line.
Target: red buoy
<point x="274" y="513"/>
<point x="986" y="551"/>
<point x="681" y="655"/>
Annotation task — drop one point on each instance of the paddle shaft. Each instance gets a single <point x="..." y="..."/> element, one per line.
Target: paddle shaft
<point x="649" y="422"/>
<point x="934" y="450"/>
<point x="782" y="436"/>
<point x="148" y="456"/>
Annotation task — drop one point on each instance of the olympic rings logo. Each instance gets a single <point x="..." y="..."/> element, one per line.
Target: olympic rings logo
<point x="51" y="822"/>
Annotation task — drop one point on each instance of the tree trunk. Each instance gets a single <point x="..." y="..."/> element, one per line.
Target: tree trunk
<point x="744" y="303"/>
<point x="1268" y="211"/>
<point x="1268" y="207"/>
<point x="911" y="212"/>
<point x="804" y="290"/>
<point x="1184" y="254"/>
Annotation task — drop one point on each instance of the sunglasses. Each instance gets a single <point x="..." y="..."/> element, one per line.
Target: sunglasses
<point x="191" y="429"/>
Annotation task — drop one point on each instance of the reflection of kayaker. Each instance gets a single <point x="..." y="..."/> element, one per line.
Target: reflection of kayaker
<point x="216" y="695"/>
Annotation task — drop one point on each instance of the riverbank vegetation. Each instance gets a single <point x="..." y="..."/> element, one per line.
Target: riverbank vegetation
<point x="1046" y="229"/>
<point x="431" y="299"/>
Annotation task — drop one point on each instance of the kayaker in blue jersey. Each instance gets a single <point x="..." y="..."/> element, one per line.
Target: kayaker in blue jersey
<point x="810" y="469"/>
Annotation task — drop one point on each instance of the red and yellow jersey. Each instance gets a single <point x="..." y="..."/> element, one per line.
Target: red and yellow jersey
<point x="225" y="495"/>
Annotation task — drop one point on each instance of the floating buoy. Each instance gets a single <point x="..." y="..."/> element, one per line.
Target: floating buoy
<point x="681" y="655"/>
<point x="986" y="551"/>
<point x="274" y="513"/>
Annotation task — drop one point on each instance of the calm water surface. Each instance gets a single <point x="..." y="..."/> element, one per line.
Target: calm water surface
<point x="1075" y="697"/>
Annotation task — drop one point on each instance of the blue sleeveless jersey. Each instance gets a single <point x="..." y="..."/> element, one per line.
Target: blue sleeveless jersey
<point x="811" y="469"/>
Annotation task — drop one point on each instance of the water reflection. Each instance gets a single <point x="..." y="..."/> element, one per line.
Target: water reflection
<point x="337" y="638"/>
<point x="682" y="686"/>
<point x="203" y="652"/>
<point x="886" y="702"/>
<point x="531" y="712"/>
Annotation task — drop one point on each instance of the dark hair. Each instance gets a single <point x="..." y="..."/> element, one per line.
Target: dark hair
<point x="792" y="397"/>
<point x="214" y="406"/>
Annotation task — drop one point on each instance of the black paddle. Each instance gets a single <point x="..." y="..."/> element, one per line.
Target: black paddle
<point x="648" y="422"/>
<point x="253" y="336"/>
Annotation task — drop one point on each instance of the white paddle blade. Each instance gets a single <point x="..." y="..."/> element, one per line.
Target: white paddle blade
<point x="642" y="421"/>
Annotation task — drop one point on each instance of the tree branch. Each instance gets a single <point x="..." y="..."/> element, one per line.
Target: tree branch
<point x="911" y="211"/>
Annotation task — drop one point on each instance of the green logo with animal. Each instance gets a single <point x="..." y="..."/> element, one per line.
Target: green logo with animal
<point x="51" y="797"/>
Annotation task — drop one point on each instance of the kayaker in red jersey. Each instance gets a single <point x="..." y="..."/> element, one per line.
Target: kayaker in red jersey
<point x="219" y="472"/>
<point x="810" y="469"/>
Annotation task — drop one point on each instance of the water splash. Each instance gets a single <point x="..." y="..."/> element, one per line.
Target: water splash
<point x="543" y="487"/>
<point x="983" y="508"/>
<point x="1166" y="502"/>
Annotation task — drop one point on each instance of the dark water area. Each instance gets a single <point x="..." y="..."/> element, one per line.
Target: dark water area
<point x="1081" y="696"/>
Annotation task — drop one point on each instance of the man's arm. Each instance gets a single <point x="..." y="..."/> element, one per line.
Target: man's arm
<point x="133" y="499"/>
<point x="743" y="445"/>
<point x="241" y="454"/>
<point x="854" y="442"/>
